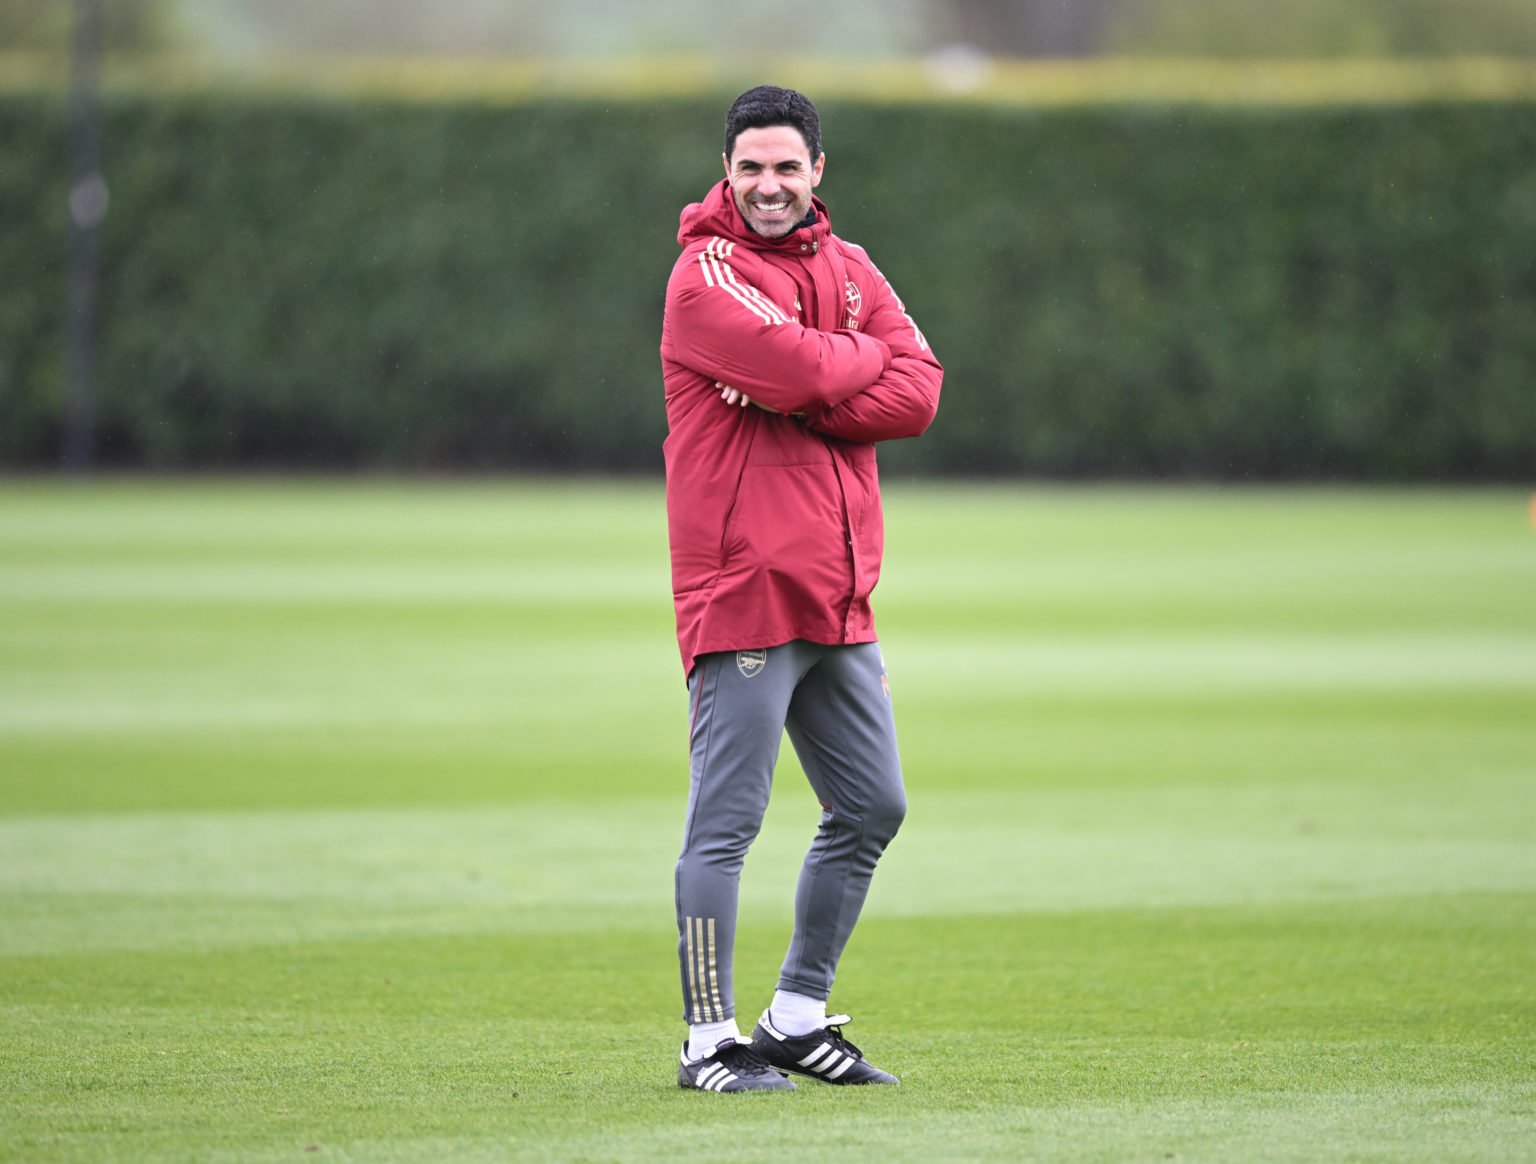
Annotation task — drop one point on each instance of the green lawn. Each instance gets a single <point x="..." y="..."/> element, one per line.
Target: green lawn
<point x="337" y="821"/>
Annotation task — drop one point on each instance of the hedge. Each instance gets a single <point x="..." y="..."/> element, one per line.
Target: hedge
<point x="1127" y="290"/>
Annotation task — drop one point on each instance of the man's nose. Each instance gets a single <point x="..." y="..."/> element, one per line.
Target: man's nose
<point x="768" y="184"/>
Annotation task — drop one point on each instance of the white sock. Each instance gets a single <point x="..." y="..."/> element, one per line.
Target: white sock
<point x="797" y="1014"/>
<point x="705" y="1037"/>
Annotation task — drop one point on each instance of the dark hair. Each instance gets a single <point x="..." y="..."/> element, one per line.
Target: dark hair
<point x="769" y="105"/>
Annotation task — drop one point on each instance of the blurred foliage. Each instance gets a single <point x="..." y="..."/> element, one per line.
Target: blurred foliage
<point x="128" y="26"/>
<point x="958" y="77"/>
<point x="1114" y="289"/>
<point x="1321" y="28"/>
<point x="248" y="30"/>
<point x="251" y="29"/>
<point x="234" y="32"/>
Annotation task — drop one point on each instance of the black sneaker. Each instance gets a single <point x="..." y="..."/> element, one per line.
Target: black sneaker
<point x="732" y="1066"/>
<point x="822" y="1054"/>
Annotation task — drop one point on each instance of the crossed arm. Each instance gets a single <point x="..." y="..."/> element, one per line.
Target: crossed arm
<point x="901" y="402"/>
<point x="875" y="383"/>
<point x="732" y="333"/>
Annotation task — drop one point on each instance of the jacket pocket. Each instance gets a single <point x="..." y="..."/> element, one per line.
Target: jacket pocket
<point x="787" y="520"/>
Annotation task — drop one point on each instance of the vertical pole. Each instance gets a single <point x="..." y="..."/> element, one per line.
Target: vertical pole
<point x="87" y="207"/>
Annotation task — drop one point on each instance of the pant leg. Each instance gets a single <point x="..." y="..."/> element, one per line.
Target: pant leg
<point x="844" y="732"/>
<point x="739" y="703"/>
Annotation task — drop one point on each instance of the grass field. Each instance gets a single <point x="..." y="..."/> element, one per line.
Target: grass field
<point x="337" y="821"/>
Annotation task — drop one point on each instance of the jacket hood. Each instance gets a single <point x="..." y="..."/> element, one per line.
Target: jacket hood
<point x="717" y="216"/>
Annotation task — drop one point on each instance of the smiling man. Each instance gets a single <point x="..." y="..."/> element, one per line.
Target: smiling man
<point x="786" y="357"/>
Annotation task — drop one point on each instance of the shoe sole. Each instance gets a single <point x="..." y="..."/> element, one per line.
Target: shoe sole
<point x="859" y="1083"/>
<point x="681" y="1086"/>
<point x="804" y="1074"/>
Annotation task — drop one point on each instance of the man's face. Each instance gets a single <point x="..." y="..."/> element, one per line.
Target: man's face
<point x="772" y="176"/>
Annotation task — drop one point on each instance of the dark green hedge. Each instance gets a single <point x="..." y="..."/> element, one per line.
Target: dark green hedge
<point x="1201" y="291"/>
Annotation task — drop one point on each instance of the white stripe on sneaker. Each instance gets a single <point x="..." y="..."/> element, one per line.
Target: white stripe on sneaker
<point x="810" y="1059"/>
<point x="709" y="1074"/>
<point x="829" y="1062"/>
<point x="841" y="1067"/>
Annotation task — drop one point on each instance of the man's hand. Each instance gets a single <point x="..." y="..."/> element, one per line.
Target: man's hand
<point x="740" y="399"/>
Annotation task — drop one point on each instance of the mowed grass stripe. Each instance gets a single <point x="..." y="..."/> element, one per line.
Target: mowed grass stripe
<point x="191" y="879"/>
<point x="1202" y="1032"/>
<point x="342" y="815"/>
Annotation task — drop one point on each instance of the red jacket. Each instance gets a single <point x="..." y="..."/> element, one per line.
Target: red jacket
<point x="775" y="520"/>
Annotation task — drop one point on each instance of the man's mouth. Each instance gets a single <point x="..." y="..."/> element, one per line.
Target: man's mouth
<point x="772" y="207"/>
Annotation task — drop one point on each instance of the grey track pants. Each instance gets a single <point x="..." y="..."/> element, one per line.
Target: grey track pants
<point x="835" y="703"/>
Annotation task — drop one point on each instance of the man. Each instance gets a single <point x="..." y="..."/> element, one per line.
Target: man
<point x="786" y="357"/>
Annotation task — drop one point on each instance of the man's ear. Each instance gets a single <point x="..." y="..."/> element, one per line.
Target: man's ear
<point x="816" y="169"/>
<point x="727" y="163"/>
